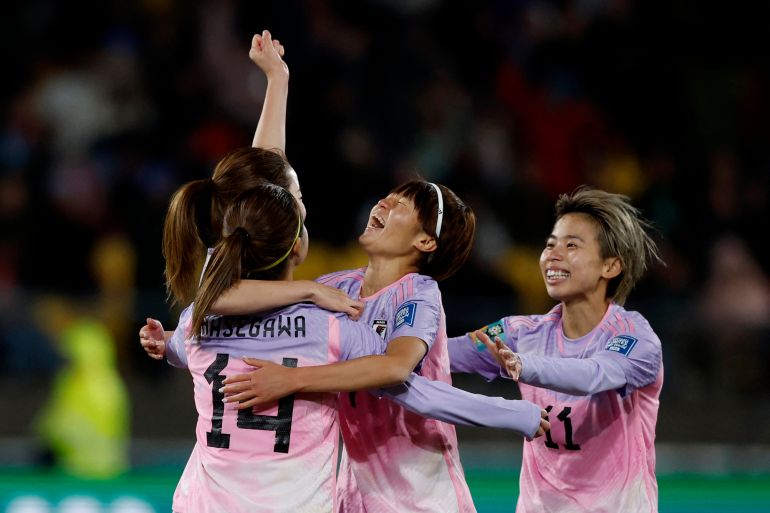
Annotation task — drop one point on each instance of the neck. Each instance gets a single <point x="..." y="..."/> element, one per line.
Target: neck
<point x="383" y="272"/>
<point x="579" y="318"/>
<point x="288" y="274"/>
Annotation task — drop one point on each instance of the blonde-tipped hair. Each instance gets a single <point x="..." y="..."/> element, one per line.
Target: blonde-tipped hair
<point x="623" y="233"/>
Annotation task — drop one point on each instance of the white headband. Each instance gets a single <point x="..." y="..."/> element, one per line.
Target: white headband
<point x="440" y="216"/>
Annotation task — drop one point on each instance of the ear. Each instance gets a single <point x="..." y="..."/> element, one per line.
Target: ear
<point x="296" y="250"/>
<point x="424" y="243"/>
<point x="612" y="267"/>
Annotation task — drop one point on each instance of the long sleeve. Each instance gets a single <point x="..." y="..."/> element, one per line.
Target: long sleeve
<point x="441" y="401"/>
<point x="175" y="350"/>
<point x="572" y="376"/>
<point x="625" y="361"/>
<point x="468" y="357"/>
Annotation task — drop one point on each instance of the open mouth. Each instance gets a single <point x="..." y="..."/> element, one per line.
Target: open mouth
<point x="555" y="275"/>
<point x="376" y="222"/>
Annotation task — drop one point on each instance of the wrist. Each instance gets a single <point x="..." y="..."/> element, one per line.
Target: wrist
<point x="311" y="291"/>
<point x="299" y="380"/>
<point x="278" y="78"/>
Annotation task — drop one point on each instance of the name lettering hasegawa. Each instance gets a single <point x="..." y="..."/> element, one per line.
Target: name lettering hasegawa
<point x="244" y="326"/>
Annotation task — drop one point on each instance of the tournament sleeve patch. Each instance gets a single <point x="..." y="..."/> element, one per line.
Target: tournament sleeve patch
<point x="405" y="315"/>
<point x="495" y="329"/>
<point x="622" y="344"/>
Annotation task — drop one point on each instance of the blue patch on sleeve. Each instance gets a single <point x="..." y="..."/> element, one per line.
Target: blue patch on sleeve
<point x="495" y="329"/>
<point x="405" y="315"/>
<point x="622" y="344"/>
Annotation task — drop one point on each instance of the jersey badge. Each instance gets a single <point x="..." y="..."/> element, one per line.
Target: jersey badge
<point x="622" y="344"/>
<point x="495" y="329"/>
<point x="380" y="327"/>
<point x="405" y="315"/>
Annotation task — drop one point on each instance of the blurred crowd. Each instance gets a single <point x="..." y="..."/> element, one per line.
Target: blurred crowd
<point x="108" y="107"/>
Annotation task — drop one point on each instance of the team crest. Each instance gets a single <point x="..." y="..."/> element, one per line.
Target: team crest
<point x="405" y="315"/>
<point x="622" y="344"/>
<point x="380" y="326"/>
<point x="495" y="329"/>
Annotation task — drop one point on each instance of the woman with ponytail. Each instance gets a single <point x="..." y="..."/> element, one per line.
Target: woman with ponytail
<point x="420" y="233"/>
<point x="242" y="458"/>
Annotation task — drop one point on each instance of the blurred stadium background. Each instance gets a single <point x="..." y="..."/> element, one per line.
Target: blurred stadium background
<point x="107" y="107"/>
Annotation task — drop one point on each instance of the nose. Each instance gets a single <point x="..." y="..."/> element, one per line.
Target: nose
<point x="553" y="253"/>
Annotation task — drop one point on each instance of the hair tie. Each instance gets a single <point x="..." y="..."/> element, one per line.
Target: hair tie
<point x="243" y="231"/>
<point x="440" y="215"/>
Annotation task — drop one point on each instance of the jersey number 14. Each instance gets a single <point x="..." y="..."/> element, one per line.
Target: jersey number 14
<point x="280" y="423"/>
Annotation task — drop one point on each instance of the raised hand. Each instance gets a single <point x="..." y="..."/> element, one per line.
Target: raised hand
<point x="507" y="359"/>
<point x="267" y="54"/>
<point x="153" y="339"/>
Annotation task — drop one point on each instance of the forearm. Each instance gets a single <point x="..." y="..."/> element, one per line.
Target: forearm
<point x="249" y="296"/>
<point x="571" y="375"/>
<point x="468" y="357"/>
<point x="441" y="401"/>
<point x="271" y="129"/>
<point x="361" y="373"/>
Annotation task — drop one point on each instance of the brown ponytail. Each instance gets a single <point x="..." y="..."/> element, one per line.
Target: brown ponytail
<point x="183" y="242"/>
<point x="194" y="219"/>
<point x="259" y="231"/>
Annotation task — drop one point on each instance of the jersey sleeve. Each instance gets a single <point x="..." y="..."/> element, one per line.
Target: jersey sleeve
<point x="175" y="350"/>
<point x="441" y="401"/>
<point x="626" y="362"/>
<point x="419" y="317"/>
<point x="470" y="356"/>
<point x="356" y="339"/>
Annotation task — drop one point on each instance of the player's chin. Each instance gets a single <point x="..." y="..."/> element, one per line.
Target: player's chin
<point x="555" y="292"/>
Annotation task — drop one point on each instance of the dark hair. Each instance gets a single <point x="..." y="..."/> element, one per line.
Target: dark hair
<point x="194" y="218"/>
<point x="622" y="233"/>
<point x="458" y="227"/>
<point x="259" y="230"/>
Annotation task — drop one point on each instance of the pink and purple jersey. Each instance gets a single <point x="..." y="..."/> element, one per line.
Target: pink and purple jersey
<point x="279" y="458"/>
<point x="398" y="460"/>
<point x="601" y="392"/>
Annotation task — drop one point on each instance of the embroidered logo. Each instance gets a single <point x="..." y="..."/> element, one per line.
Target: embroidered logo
<point x="622" y="344"/>
<point x="380" y="327"/>
<point x="495" y="329"/>
<point x="405" y="315"/>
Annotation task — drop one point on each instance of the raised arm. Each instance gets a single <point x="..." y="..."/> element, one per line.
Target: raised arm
<point x="271" y="129"/>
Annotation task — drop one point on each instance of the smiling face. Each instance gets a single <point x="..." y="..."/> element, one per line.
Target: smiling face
<point x="393" y="228"/>
<point x="571" y="263"/>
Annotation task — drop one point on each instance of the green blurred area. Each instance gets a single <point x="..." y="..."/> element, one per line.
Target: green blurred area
<point x="148" y="490"/>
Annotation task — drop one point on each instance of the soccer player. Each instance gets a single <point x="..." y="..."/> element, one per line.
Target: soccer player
<point x="401" y="245"/>
<point x="595" y="367"/>
<point x="398" y="460"/>
<point x="283" y="457"/>
<point x="194" y="219"/>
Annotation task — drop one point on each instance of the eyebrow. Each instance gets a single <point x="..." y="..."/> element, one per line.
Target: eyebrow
<point x="552" y="236"/>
